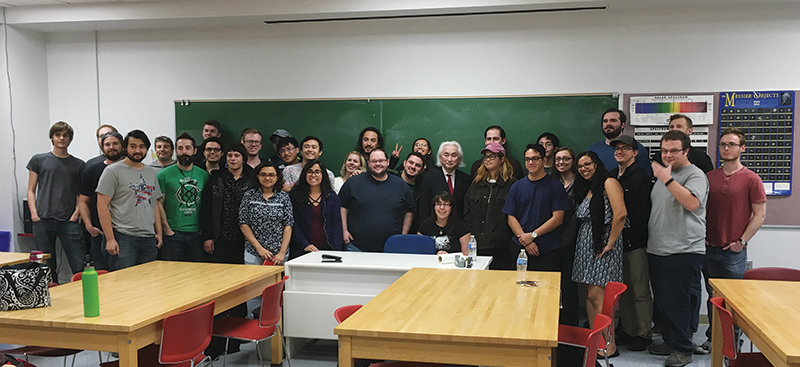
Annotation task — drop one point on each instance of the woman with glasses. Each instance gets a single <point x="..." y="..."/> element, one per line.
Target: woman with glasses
<point x="317" y="212"/>
<point x="601" y="216"/>
<point x="566" y="172"/>
<point x="421" y="146"/>
<point x="450" y="233"/>
<point x="266" y="218"/>
<point x="354" y="164"/>
<point x="484" y="204"/>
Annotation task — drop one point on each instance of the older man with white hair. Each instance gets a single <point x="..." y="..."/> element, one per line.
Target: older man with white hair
<point x="445" y="179"/>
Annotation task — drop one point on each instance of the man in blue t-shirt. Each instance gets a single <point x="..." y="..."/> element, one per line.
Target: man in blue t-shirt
<point x="375" y="206"/>
<point x="612" y="123"/>
<point x="535" y="206"/>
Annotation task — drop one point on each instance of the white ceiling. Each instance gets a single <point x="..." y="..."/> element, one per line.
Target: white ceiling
<point x="82" y="15"/>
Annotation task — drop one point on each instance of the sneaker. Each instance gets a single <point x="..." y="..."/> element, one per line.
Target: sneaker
<point x="678" y="359"/>
<point x="660" y="349"/>
<point x="639" y="344"/>
<point x="703" y="349"/>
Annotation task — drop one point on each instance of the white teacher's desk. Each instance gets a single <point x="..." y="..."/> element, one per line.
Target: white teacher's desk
<point x="315" y="289"/>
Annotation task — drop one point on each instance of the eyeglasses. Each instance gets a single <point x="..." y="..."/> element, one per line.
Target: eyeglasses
<point x="729" y="145"/>
<point x="563" y="159"/>
<point x="491" y="157"/>
<point x="267" y="175"/>
<point x="671" y="151"/>
<point x="443" y="205"/>
<point x="213" y="150"/>
<point x="623" y="148"/>
<point x="420" y="144"/>
<point x="314" y="173"/>
<point x="585" y="165"/>
<point x="286" y="150"/>
<point x="546" y="144"/>
<point x="532" y="159"/>
<point x="252" y="142"/>
<point x="378" y="161"/>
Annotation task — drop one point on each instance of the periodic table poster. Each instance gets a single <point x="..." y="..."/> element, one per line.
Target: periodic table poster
<point x="767" y="119"/>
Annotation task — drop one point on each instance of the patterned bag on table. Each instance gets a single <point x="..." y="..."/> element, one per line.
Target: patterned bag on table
<point x="24" y="286"/>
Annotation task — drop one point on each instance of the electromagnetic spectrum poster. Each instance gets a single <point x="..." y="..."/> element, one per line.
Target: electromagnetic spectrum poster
<point x="656" y="110"/>
<point x="767" y="119"/>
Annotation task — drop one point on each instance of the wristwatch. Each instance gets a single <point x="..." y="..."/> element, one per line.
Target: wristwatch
<point x="743" y="242"/>
<point x="534" y="235"/>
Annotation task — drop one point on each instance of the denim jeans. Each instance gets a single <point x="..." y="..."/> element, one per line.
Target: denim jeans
<point x="132" y="251"/>
<point x="673" y="277"/>
<point x="99" y="253"/>
<point x="44" y="235"/>
<point x="726" y="264"/>
<point x="252" y="304"/>
<point x="182" y="246"/>
<point x="351" y="247"/>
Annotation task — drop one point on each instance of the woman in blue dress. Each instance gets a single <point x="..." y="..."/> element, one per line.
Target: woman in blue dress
<point x="601" y="217"/>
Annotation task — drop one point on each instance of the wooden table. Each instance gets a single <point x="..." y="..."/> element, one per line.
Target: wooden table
<point x="133" y="302"/>
<point x="13" y="258"/>
<point x="456" y="316"/>
<point x="768" y="312"/>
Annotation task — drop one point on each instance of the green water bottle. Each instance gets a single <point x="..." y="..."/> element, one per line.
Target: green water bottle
<point x="91" y="292"/>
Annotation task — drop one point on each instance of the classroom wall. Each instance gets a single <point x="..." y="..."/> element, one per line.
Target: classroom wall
<point x="28" y="109"/>
<point x="142" y="71"/>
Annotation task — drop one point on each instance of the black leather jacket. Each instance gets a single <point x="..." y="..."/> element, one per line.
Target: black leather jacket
<point x="483" y="212"/>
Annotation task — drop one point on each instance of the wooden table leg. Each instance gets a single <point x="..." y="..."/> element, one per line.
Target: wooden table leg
<point x="345" y="352"/>
<point x="716" y="339"/>
<point x="128" y="354"/>
<point x="276" y="344"/>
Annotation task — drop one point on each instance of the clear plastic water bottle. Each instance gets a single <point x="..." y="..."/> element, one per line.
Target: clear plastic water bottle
<point x="522" y="266"/>
<point x="473" y="249"/>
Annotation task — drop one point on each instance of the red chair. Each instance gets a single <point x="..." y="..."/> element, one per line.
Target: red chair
<point x="342" y="313"/>
<point x="269" y="262"/>
<point x="729" y="345"/>
<point x="78" y="276"/>
<point x="265" y="327"/>
<point x="590" y="339"/>
<point x="184" y="337"/>
<point x="788" y="274"/>
<point x="572" y="335"/>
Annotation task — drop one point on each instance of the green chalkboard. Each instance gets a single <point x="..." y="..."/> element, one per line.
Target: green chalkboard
<point x="574" y="119"/>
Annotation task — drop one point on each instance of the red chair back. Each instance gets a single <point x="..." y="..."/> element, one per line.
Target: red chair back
<point x="611" y="302"/>
<point x="595" y="339"/>
<point x="342" y="313"/>
<point x="768" y="273"/>
<point x="78" y="276"/>
<point x="272" y="304"/>
<point x="726" y="322"/>
<point x="186" y="334"/>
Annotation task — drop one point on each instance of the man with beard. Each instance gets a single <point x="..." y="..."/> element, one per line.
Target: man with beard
<point x="413" y="167"/>
<point x="182" y="185"/>
<point x="87" y="201"/>
<point x="127" y="199"/>
<point x="98" y="134"/>
<point x="612" y="123"/>
<point x="375" y="206"/>
<point x="368" y="140"/>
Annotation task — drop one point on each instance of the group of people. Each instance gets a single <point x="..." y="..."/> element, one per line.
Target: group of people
<point x="605" y="214"/>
